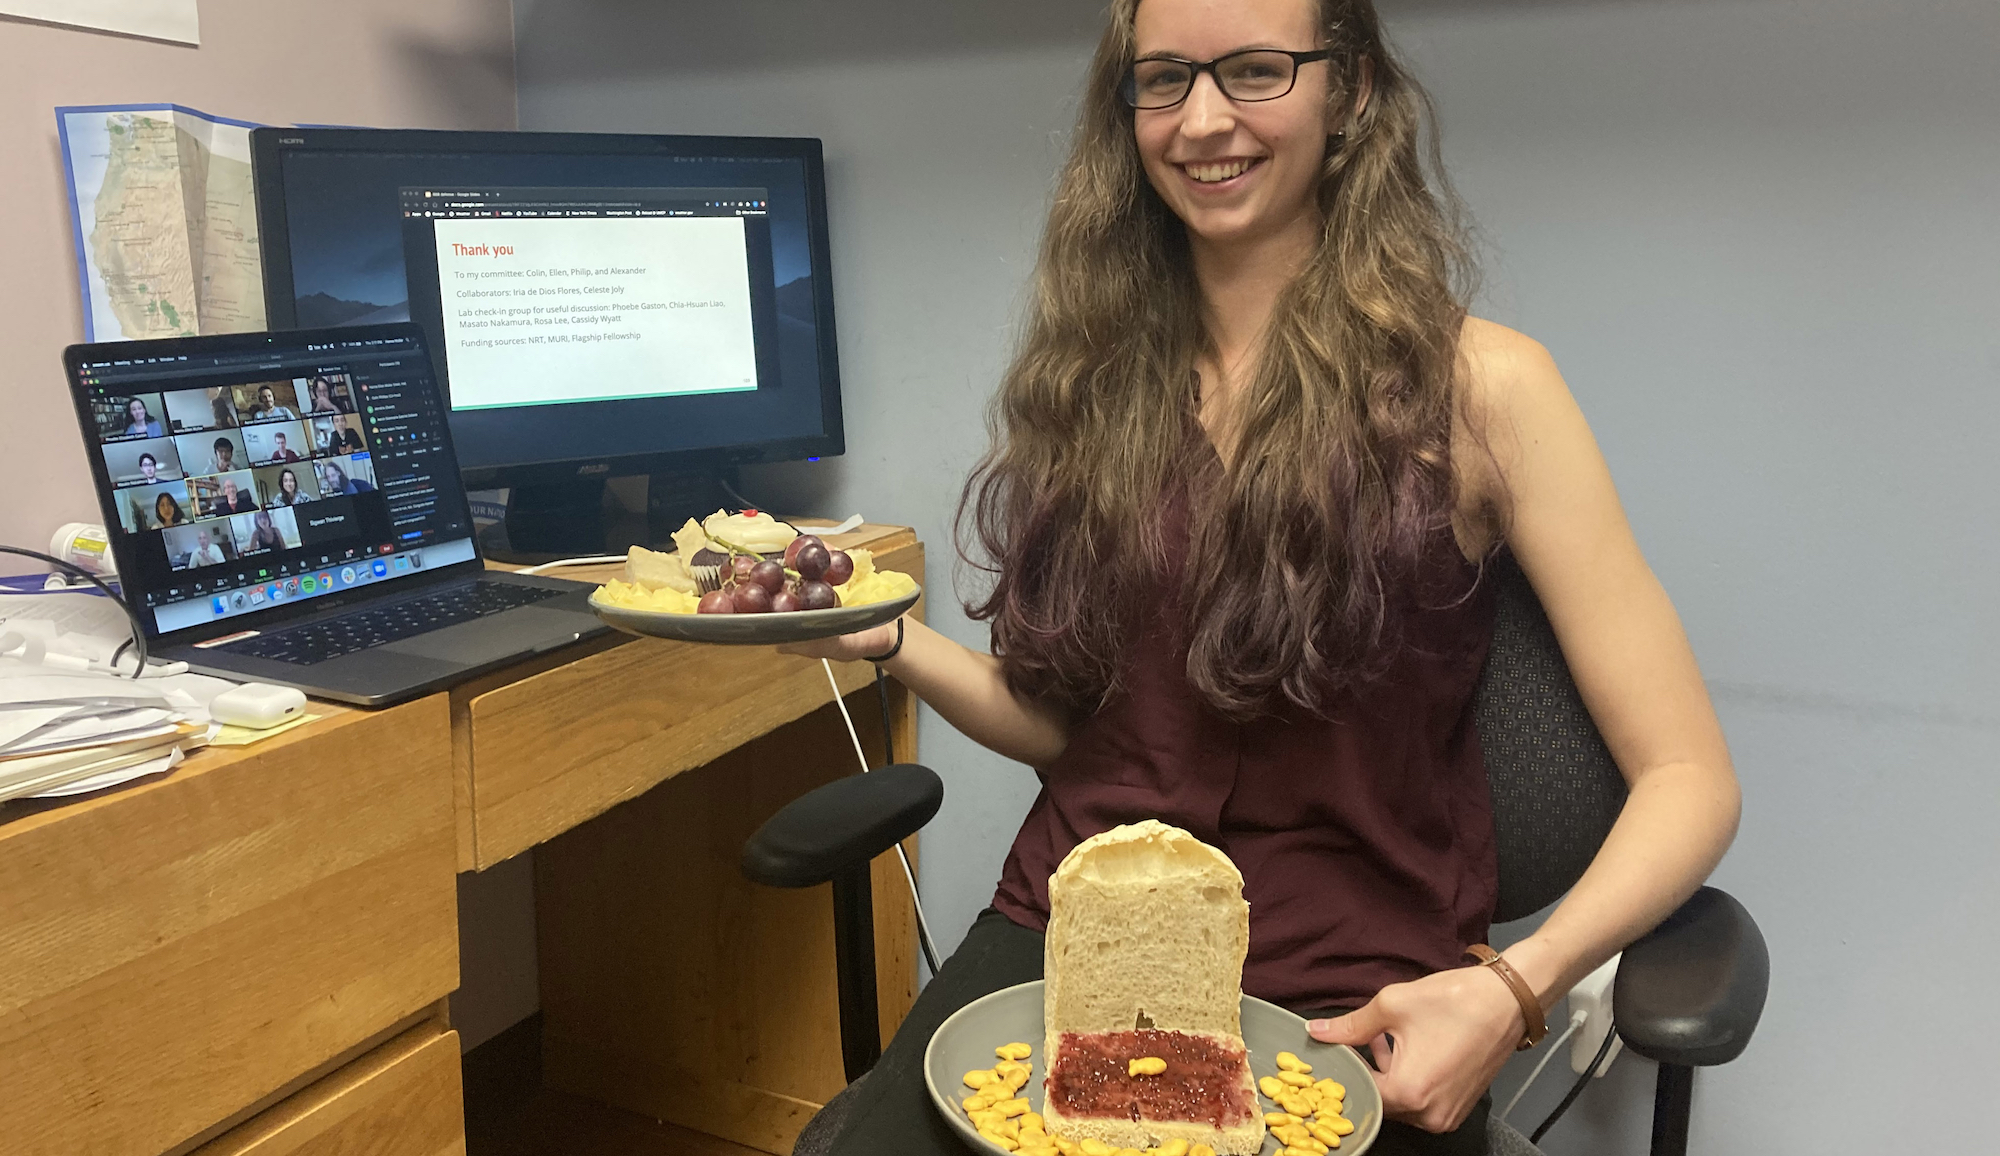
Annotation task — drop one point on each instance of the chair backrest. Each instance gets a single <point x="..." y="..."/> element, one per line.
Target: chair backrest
<point x="1556" y="790"/>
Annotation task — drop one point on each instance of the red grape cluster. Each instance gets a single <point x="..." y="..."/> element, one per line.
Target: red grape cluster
<point x="803" y="581"/>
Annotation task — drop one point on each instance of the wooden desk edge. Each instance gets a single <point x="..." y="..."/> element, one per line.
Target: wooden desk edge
<point x="24" y="815"/>
<point x="21" y="816"/>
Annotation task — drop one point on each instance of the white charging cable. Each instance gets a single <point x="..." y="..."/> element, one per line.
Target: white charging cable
<point x="923" y="925"/>
<point x="1576" y="1019"/>
<point x="592" y="560"/>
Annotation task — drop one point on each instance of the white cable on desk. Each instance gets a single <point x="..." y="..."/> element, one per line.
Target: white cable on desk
<point x="593" y="560"/>
<point x="923" y="924"/>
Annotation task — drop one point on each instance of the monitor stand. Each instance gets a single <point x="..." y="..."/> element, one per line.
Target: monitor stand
<point x="574" y="518"/>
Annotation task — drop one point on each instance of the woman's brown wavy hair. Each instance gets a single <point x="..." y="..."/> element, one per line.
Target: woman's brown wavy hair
<point x="1340" y="476"/>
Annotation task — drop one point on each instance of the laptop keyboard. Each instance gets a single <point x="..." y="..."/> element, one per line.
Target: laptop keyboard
<point x="320" y="641"/>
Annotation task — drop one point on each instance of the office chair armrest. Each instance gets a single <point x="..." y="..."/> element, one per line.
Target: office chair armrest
<point x="1690" y="991"/>
<point x="841" y="825"/>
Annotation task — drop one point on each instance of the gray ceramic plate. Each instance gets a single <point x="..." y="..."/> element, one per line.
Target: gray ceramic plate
<point x="966" y="1041"/>
<point x="754" y="629"/>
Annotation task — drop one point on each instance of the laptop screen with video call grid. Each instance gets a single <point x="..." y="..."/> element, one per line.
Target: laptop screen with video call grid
<point x="241" y="475"/>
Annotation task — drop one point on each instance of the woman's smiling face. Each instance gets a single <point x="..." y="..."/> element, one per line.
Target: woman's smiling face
<point x="1234" y="172"/>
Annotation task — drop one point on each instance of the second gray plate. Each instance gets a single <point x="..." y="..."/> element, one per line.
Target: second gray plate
<point x="754" y="629"/>
<point x="967" y="1039"/>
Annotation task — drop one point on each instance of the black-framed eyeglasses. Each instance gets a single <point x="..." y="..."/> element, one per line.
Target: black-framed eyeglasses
<point x="1248" y="76"/>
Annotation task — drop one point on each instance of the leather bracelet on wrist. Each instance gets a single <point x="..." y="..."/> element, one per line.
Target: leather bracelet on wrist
<point x="1531" y="1008"/>
<point x="878" y="659"/>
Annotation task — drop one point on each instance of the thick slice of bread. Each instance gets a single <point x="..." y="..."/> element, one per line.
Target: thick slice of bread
<point x="1147" y="930"/>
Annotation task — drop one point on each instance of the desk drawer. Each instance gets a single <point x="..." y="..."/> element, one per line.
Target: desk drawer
<point x="402" y="1099"/>
<point x="539" y="754"/>
<point x="174" y="953"/>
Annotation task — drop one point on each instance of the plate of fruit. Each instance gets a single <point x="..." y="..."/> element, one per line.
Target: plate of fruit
<point x="748" y="579"/>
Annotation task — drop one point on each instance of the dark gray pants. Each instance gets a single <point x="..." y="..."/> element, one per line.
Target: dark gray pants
<point x="889" y="1112"/>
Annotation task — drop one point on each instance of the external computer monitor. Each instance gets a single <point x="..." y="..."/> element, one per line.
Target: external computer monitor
<point x="597" y="305"/>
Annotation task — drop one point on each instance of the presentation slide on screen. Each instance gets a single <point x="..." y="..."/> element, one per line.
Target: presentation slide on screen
<point x="546" y="310"/>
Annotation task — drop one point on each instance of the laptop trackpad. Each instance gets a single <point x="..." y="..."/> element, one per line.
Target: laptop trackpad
<point x="511" y="634"/>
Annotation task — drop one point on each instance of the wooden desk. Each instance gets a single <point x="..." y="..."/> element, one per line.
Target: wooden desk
<point x="252" y="953"/>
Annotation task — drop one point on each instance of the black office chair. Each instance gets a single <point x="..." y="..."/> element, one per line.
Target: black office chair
<point x="1688" y="994"/>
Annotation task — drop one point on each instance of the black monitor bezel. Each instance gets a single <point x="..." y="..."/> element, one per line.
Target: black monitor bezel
<point x="222" y="344"/>
<point x="269" y="145"/>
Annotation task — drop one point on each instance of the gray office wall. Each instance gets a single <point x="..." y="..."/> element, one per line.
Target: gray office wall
<point x="940" y="143"/>
<point x="1761" y="239"/>
<point x="1759" y="236"/>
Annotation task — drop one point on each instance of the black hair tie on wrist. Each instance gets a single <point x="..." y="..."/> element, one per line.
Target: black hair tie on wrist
<point x="881" y="658"/>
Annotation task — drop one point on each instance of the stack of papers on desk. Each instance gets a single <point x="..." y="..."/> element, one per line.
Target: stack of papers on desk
<point x="68" y="733"/>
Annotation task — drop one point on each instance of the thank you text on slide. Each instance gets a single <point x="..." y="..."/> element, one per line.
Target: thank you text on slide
<point x="544" y="310"/>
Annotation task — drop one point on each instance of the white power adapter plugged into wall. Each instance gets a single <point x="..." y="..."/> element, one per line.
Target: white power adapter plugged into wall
<point x="1591" y="998"/>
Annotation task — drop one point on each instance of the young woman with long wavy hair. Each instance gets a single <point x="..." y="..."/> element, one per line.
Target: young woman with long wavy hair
<point x="1248" y="467"/>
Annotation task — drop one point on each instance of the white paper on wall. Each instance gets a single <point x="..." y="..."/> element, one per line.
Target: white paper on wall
<point x="174" y="20"/>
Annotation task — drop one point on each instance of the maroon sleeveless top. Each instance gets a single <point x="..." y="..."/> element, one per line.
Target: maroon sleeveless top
<point x="1365" y="841"/>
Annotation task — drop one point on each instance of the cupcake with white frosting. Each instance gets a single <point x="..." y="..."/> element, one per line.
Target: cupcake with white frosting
<point x="705" y="549"/>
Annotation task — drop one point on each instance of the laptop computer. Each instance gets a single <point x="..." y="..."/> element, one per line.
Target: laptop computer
<point x="286" y="508"/>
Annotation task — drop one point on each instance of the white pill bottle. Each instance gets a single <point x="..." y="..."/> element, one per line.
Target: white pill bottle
<point x="85" y="545"/>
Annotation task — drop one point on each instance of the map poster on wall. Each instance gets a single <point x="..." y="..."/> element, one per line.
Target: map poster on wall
<point x="165" y="221"/>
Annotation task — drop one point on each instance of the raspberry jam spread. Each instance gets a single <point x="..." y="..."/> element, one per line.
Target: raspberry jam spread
<point x="1203" y="1082"/>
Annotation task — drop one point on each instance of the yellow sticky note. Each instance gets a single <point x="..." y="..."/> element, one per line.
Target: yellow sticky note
<point x="230" y="736"/>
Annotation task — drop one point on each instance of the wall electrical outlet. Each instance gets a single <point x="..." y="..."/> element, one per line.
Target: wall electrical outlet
<point x="1592" y="998"/>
